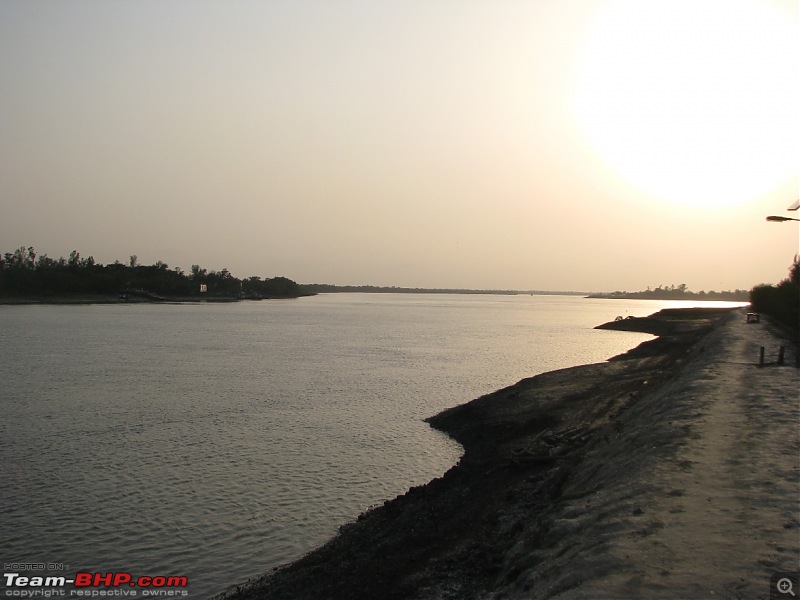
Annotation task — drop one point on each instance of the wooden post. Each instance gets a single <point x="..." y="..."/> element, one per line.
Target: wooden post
<point x="781" y="351"/>
<point x="761" y="357"/>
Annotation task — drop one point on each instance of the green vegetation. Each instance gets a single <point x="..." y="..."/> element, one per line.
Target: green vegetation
<point x="782" y="301"/>
<point x="23" y="273"/>
<point x="680" y="292"/>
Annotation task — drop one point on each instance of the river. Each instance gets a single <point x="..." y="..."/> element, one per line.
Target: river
<point x="216" y="441"/>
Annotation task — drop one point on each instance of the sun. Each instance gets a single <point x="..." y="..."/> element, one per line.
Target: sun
<point x="693" y="102"/>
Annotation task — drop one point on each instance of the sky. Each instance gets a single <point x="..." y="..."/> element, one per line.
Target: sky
<point x="587" y="145"/>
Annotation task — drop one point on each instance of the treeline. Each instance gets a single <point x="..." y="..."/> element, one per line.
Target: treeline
<point x="679" y="292"/>
<point x="781" y="301"/>
<point x="24" y="273"/>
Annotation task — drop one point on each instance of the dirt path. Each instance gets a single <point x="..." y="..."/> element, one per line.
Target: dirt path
<point x="703" y="496"/>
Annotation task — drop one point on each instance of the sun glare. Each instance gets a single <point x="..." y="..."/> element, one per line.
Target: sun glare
<point x="692" y="102"/>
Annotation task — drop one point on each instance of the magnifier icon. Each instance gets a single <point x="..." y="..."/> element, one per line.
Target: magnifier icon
<point x="784" y="586"/>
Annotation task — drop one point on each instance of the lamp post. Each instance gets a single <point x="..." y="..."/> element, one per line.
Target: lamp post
<point x="777" y="219"/>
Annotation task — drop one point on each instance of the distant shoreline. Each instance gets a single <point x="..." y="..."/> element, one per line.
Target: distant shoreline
<point x="65" y="299"/>
<point x="87" y="299"/>
<point x="306" y="291"/>
<point x="739" y="296"/>
<point x="323" y="288"/>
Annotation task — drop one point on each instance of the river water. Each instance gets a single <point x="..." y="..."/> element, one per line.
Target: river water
<point x="216" y="441"/>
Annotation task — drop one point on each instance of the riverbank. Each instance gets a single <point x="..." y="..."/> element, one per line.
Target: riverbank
<point x="130" y="298"/>
<point x="590" y="481"/>
<point x="64" y="299"/>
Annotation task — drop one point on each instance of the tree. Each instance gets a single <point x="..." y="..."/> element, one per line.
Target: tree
<point x="22" y="258"/>
<point x="782" y="301"/>
<point x="282" y="286"/>
<point x="197" y="272"/>
<point x="22" y="272"/>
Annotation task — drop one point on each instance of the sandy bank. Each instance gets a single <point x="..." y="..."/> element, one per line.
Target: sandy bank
<point x="633" y="478"/>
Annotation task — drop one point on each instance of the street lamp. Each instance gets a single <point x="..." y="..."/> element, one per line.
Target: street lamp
<point x="776" y="219"/>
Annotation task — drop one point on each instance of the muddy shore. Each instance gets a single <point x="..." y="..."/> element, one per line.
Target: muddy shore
<point x="551" y="489"/>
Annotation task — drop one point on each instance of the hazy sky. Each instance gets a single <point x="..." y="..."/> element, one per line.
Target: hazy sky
<point x="538" y="144"/>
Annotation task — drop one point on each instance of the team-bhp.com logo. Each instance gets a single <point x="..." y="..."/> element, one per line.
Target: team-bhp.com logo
<point x="87" y="584"/>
